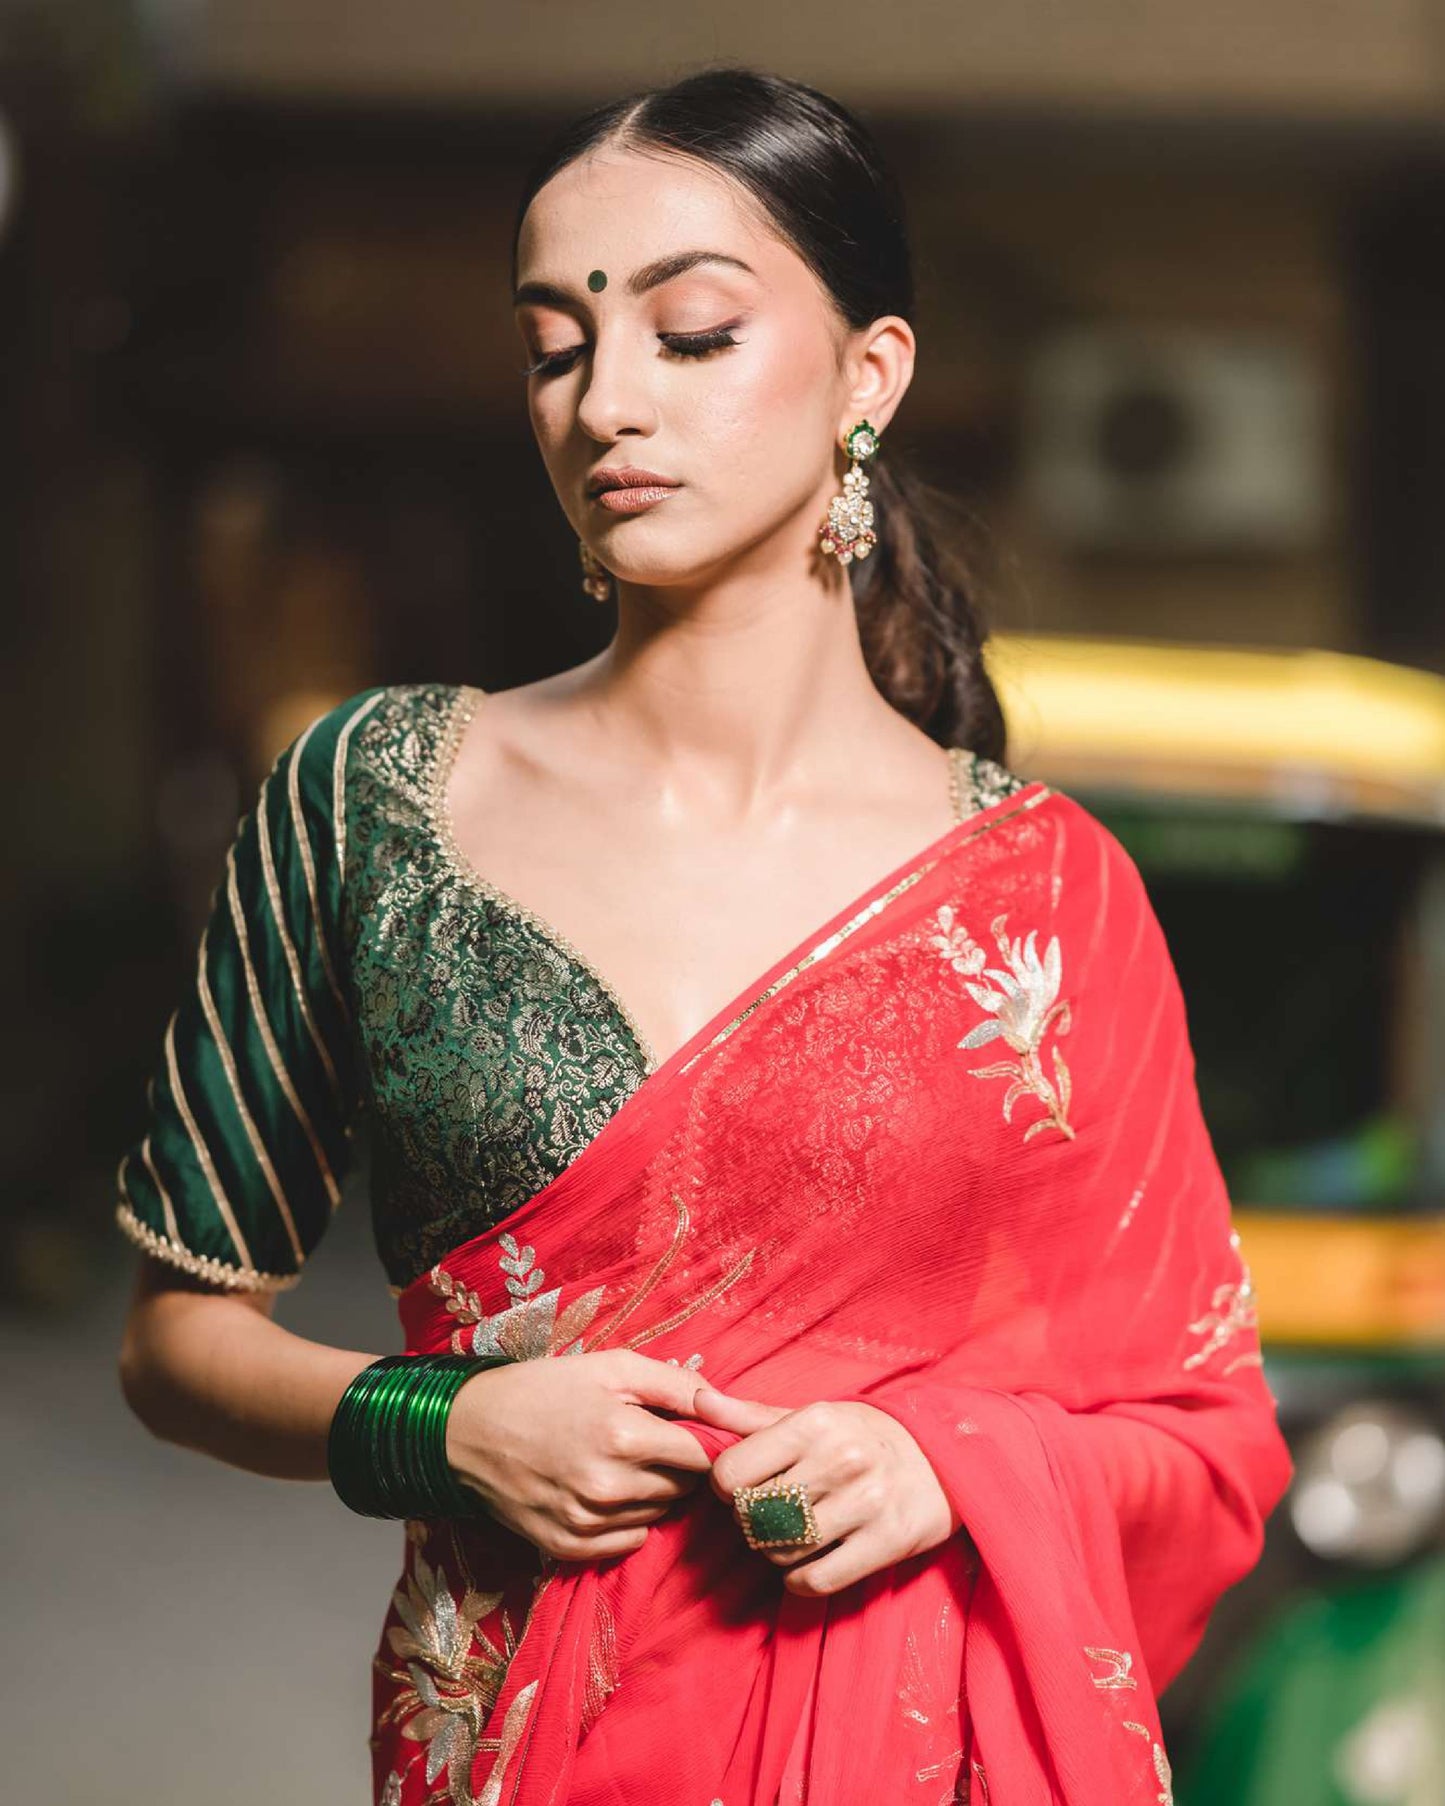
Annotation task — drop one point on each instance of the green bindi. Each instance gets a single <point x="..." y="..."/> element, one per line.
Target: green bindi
<point x="597" y="281"/>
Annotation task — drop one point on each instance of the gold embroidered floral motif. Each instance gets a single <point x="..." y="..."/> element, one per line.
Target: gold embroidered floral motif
<point x="1121" y="1662"/>
<point x="531" y="1327"/>
<point x="450" y="1673"/>
<point x="1023" y="1006"/>
<point x="1162" y="1770"/>
<point x="603" y="1668"/>
<point x="1232" y="1309"/>
<point x="956" y="945"/>
<point x="933" y="1705"/>
<point x="505" y="1745"/>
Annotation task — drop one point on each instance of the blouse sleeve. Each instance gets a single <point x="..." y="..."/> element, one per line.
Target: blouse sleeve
<point x="252" y="1101"/>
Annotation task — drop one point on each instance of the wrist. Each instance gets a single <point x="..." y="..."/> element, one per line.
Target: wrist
<point x="387" y="1450"/>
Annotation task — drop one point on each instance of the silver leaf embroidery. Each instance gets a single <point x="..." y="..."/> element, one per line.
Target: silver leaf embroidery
<point x="1022" y="1006"/>
<point x="1232" y="1309"/>
<point x="1121" y="1663"/>
<point x="1162" y="1770"/>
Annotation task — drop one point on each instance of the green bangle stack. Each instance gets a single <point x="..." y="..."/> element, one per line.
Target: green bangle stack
<point x="386" y="1451"/>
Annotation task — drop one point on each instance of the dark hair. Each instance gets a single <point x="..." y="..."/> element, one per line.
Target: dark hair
<point x="818" y="173"/>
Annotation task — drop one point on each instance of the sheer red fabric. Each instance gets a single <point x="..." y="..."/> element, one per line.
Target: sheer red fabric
<point x="947" y="1158"/>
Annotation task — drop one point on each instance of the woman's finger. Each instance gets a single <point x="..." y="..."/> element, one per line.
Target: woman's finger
<point x="852" y="1558"/>
<point x="643" y="1486"/>
<point x="601" y="1518"/>
<point x="745" y="1415"/>
<point x="760" y="1456"/>
<point x="658" y="1442"/>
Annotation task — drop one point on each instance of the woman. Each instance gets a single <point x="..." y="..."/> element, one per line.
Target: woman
<point x="882" y="1119"/>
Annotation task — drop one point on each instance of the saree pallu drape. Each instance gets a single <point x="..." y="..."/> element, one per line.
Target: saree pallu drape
<point x="945" y="1158"/>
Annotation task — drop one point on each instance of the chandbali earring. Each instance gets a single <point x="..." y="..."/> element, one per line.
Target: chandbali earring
<point x="848" y="533"/>
<point x="596" y="578"/>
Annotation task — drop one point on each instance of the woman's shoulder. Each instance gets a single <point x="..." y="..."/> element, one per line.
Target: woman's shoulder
<point x="1086" y="853"/>
<point x="378" y="711"/>
<point x="369" y="769"/>
<point x="1084" y="836"/>
<point x="392" y="730"/>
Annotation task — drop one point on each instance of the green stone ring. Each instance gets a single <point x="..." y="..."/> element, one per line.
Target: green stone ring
<point x="776" y="1516"/>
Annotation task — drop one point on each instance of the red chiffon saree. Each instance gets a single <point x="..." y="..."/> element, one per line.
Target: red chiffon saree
<point x="945" y="1158"/>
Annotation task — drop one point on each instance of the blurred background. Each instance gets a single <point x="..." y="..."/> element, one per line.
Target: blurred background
<point x="263" y="442"/>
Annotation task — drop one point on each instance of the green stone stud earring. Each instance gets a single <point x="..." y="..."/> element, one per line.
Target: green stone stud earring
<point x="861" y="441"/>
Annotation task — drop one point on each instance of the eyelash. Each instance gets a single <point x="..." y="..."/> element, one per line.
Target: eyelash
<point x="680" y="344"/>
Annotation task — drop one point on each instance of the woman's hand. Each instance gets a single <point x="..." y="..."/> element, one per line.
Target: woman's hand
<point x="876" y="1498"/>
<point x="568" y="1452"/>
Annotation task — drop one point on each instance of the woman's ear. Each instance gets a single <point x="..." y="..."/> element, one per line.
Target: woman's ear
<point x="881" y="365"/>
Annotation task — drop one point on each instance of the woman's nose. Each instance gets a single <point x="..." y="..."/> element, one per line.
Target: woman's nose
<point x="616" y="397"/>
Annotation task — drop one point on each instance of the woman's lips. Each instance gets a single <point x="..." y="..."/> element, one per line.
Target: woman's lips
<point x="633" y="501"/>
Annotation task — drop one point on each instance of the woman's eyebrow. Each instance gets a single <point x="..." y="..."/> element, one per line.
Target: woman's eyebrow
<point x="650" y="276"/>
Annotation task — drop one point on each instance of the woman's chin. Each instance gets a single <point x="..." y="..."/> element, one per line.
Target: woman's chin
<point x="658" y="573"/>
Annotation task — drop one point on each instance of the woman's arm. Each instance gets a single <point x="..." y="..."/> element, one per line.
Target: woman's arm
<point x="210" y="1371"/>
<point x="569" y="1454"/>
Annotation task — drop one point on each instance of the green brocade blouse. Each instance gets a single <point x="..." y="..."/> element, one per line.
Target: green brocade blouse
<point x="356" y="970"/>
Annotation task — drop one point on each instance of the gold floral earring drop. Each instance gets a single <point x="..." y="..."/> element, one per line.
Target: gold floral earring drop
<point x="848" y="533"/>
<point x="596" y="578"/>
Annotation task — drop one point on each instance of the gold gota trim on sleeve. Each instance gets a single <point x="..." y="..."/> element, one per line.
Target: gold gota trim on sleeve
<point x="173" y="1226"/>
<point x="248" y="1122"/>
<point x="268" y="1036"/>
<point x="308" y="863"/>
<point x="288" y="948"/>
<point x="202" y="1152"/>
<point x="203" y="1266"/>
<point x="338" y="781"/>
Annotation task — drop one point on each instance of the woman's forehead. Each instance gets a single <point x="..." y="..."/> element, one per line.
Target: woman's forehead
<point x="617" y="211"/>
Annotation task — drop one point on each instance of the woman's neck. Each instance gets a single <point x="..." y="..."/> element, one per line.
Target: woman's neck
<point x="738" y="689"/>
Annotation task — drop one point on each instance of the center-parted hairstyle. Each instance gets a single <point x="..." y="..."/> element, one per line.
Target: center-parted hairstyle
<point x="818" y="174"/>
